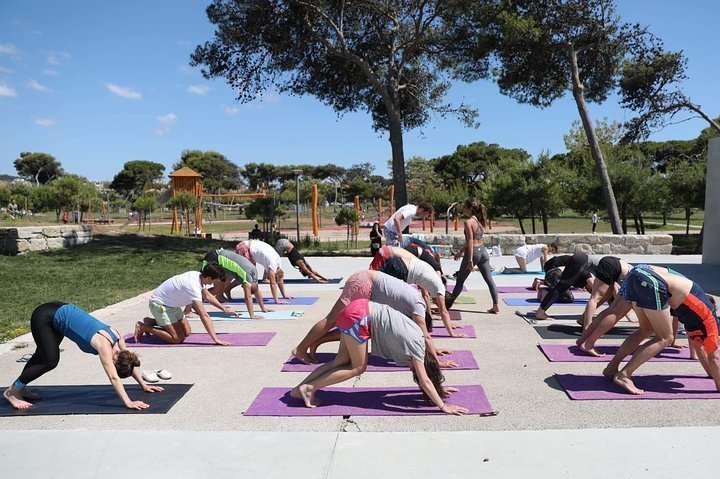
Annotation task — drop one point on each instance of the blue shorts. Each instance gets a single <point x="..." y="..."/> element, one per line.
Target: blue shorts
<point x="646" y="289"/>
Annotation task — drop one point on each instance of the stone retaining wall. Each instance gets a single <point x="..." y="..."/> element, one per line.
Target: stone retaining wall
<point x="40" y="238"/>
<point x="567" y="243"/>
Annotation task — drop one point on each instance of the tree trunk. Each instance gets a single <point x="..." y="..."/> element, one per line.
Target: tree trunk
<point x="637" y="223"/>
<point x="543" y="215"/>
<point x="688" y="213"/>
<point x="642" y="224"/>
<point x="664" y="217"/>
<point x="532" y="216"/>
<point x="607" y="189"/>
<point x="519" y="218"/>
<point x="700" y="242"/>
<point x="624" y="219"/>
<point x="398" y="159"/>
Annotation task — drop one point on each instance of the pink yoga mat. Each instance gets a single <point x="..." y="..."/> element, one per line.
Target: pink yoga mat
<point x="366" y="402"/>
<point x="203" y="339"/>
<point x="573" y="354"/>
<point x="464" y="359"/>
<point x="441" y="332"/>
<point x="656" y="387"/>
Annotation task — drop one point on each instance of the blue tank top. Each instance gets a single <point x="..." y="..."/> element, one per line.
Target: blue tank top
<point x="80" y="327"/>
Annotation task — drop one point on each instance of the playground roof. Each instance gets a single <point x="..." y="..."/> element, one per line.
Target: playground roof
<point x="185" y="172"/>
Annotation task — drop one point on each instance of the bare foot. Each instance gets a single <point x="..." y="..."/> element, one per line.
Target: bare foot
<point x="609" y="372"/>
<point x="494" y="310"/>
<point x="30" y="395"/>
<point x="542" y="317"/>
<point x="622" y="380"/>
<point x="591" y="351"/>
<point x="14" y="397"/>
<point x="138" y="333"/>
<point x="302" y="356"/>
<point x="304" y="392"/>
<point x="677" y="346"/>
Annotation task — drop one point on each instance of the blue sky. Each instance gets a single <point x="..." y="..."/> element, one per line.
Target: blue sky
<point x="98" y="83"/>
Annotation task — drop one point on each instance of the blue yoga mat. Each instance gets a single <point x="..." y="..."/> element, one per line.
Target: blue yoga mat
<point x="535" y="302"/>
<point x="310" y="281"/>
<point x="245" y="316"/>
<point x="298" y="300"/>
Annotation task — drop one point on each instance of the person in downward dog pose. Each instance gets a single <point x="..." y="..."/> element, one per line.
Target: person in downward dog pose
<point x="50" y="323"/>
<point x="656" y="296"/>
<point x="260" y="252"/>
<point x="394" y="336"/>
<point x="578" y="272"/>
<point x="377" y="287"/>
<point x="528" y="253"/>
<point x="297" y="260"/>
<point x="239" y="271"/>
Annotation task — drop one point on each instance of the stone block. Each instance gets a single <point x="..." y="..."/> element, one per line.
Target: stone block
<point x="636" y="240"/>
<point x="662" y="239"/>
<point x="37" y="244"/>
<point x="22" y="246"/>
<point x="52" y="231"/>
<point x="27" y="232"/>
<point x="658" y="249"/>
<point x="583" y="248"/>
<point x="601" y="249"/>
<point x="55" y="243"/>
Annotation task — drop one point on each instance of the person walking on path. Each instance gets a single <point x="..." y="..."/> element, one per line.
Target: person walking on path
<point x="594" y="219"/>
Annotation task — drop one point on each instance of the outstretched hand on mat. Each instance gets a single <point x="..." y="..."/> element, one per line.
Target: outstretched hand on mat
<point x="456" y="410"/>
<point x="222" y="343"/>
<point x="139" y="405"/>
<point x="153" y="389"/>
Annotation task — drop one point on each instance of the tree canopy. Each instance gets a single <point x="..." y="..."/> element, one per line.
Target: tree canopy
<point x="137" y="176"/>
<point x="38" y="167"/>
<point x="374" y="55"/>
<point x="218" y="172"/>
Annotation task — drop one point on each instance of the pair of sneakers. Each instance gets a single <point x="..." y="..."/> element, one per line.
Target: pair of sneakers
<point x="155" y="376"/>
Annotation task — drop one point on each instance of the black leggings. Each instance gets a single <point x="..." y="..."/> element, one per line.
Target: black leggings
<point x="575" y="274"/>
<point x="47" y="339"/>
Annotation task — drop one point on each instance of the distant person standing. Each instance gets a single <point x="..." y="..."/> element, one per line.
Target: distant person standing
<point x="12" y="208"/>
<point x="394" y="226"/>
<point x="594" y="219"/>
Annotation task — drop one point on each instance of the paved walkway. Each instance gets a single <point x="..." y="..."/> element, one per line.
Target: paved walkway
<point x="538" y="432"/>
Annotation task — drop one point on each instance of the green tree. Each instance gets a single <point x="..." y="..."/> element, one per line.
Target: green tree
<point x="218" y="173"/>
<point x="256" y="174"/>
<point x="545" y="49"/>
<point x="66" y="192"/>
<point x="687" y="181"/>
<point x="145" y="205"/>
<point x="374" y="55"/>
<point x="649" y="85"/>
<point x="186" y="202"/>
<point x="38" y="167"/>
<point x="137" y="176"/>
<point x="347" y="216"/>
<point x="264" y="210"/>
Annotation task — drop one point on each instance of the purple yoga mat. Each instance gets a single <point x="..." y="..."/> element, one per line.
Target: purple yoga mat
<point x="454" y="315"/>
<point x="441" y="332"/>
<point x="451" y="286"/>
<point x="366" y="402"/>
<point x="573" y="354"/>
<point x="656" y="387"/>
<point x="535" y="302"/>
<point x="520" y="289"/>
<point x="203" y="339"/>
<point x="376" y="364"/>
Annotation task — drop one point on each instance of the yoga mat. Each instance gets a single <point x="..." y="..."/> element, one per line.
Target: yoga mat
<point x="441" y="332"/>
<point x="203" y="339"/>
<point x="366" y="402"/>
<point x="454" y="315"/>
<point x="521" y="289"/>
<point x="529" y="316"/>
<point x="451" y="286"/>
<point x="297" y="301"/>
<point x="464" y="359"/>
<point x="97" y="399"/>
<point x="535" y="302"/>
<point x="310" y="281"/>
<point x="465" y="300"/>
<point x="529" y="273"/>
<point x="572" y="354"/>
<point x="568" y="331"/>
<point x="245" y="316"/>
<point x="583" y="388"/>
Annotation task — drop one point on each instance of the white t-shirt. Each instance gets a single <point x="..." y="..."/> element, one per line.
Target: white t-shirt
<point x="530" y="252"/>
<point x="405" y="215"/>
<point x="422" y="274"/>
<point x="179" y="291"/>
<point x="265" y="254"/>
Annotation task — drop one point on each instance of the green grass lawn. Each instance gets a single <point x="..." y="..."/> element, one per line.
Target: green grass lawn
<point x="104" y="272"/>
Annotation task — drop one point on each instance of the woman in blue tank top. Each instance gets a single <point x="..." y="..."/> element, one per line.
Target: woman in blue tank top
<point x="49" y="324"/>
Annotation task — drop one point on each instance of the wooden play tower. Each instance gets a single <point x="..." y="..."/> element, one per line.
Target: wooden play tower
<point x="186" y="179"/>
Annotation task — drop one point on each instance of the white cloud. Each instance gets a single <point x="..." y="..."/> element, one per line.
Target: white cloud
<point x="9" y="49"/>
<point x="198" y="89"/>
<point x="123" y="92"/>
<point x="36" y="85"/>
<point x="6" y="70"/>
<point x="7" y="91"/>
<point x="230" y="110"/>
<point x="57" y="58"/>
<point x="44" y="121"/>
<point x="166" y="124"/>
<point x="50" y="72"/>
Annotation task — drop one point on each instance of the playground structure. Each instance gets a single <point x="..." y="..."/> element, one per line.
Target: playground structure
<point x="187" y="179"/>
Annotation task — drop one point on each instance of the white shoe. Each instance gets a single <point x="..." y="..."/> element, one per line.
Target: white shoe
<point x="500" y="270"/>
<point x="164" y="374"/>
<point x="150" y="376"/>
